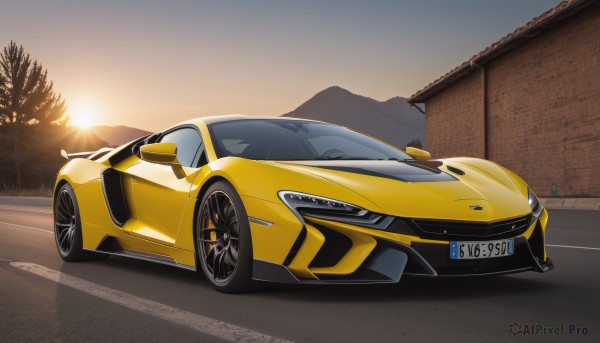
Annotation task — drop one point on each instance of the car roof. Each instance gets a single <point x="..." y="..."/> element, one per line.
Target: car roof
<point x="232" y="117"/>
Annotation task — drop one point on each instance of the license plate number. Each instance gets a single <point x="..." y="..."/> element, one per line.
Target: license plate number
<point x="477" y="250"/>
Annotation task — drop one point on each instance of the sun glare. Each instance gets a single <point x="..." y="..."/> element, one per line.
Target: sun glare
<point x="83" y="113"/>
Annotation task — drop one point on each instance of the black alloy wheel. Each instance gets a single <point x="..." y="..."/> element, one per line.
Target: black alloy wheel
<point x="64" y="222"/>
<point x="67" y="227"/>
<point x="223" y="240"/>
<point x="219" y="236"/>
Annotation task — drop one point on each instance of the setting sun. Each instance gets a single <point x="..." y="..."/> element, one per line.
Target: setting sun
<point x="83" y="113"/>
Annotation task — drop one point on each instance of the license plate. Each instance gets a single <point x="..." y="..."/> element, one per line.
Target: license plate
<point x="476" y="250"/>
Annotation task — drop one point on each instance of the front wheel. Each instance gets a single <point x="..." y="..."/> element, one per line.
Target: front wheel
<point x="223" y="238"/>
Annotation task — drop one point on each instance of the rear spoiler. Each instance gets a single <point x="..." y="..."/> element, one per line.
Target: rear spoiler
<point x="90" y="155"/>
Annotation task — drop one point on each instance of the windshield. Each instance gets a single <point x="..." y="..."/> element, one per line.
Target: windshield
<point x="285" y="140"/>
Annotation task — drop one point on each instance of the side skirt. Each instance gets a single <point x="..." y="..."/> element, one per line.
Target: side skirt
<point x="110" y="246"/>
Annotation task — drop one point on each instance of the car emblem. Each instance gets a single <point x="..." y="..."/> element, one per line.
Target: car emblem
<point x="476" y="207"/>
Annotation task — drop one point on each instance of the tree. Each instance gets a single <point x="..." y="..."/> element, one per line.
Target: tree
<point x="26" y="95"/>
<point x="27" y="98"/>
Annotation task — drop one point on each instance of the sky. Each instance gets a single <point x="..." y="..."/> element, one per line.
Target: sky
<point x="151" y="64"/>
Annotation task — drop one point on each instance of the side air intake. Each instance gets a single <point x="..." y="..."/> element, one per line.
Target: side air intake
<point x="112" y="187"/>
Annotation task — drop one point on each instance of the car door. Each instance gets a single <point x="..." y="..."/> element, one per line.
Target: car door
<point x="159" y="197"/>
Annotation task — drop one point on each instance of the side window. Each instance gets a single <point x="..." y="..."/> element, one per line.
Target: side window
<point x="189" y="145"/>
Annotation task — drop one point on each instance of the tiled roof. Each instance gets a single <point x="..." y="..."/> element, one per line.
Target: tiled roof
<point x="519" y="36"/>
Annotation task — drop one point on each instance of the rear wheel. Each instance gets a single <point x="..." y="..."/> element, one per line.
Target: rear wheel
<point x="223" y="240"/>
<point x="67" y="226"/>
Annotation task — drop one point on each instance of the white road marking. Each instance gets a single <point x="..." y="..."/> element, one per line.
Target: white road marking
<point x="27" y="227"/>
<point x="25" y="209"/>
<point x="571" y="247"/>
<point x="194" y="321"/>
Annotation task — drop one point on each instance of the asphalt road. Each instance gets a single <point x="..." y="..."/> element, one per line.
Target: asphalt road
<point x="33" y="308"/>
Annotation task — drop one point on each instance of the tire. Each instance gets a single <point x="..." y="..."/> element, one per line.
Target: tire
<point x="67" y="227"/>
<point x="223" y="240"/>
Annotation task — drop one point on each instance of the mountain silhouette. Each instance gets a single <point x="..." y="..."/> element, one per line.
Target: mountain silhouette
<point x="117" y="135"/>
<point x="393" y="121"/>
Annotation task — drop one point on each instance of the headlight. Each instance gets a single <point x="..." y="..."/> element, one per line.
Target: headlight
<point x="306" y="205"/>
<point x="536" y="207"/>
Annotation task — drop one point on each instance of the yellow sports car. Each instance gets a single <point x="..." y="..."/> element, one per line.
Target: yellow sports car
<point x="247" y="199"/>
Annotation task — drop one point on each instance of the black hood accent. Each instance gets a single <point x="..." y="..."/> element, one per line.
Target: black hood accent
<point x="406" y="171"/>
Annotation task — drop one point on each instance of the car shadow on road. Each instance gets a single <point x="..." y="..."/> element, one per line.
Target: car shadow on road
<point x="409" y="289"/>
<point x="416" y="289"/>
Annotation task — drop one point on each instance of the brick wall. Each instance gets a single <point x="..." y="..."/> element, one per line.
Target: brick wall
<point x="543" y="110"/>
<point x="454" y="122"/>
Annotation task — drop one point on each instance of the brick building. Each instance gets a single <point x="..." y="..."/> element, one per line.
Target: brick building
<point x="530" y="102"/>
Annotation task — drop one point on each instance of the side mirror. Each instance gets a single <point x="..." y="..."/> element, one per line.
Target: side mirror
<point x="418" y="154"/>
<point x="165" y="154"/>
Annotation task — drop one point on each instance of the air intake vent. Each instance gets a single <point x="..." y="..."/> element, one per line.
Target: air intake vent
<point x="449" y="230"/>
<point x="335" y="247"/>
<point x="455" y="170"/>
<point x="114" y="196"/>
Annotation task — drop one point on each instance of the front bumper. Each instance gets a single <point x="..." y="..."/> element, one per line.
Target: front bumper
<point x="436" y="255"/>
<point x="386" y="260"/>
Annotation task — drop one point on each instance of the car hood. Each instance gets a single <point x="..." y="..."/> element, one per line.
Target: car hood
<point x="423" y="189"/>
